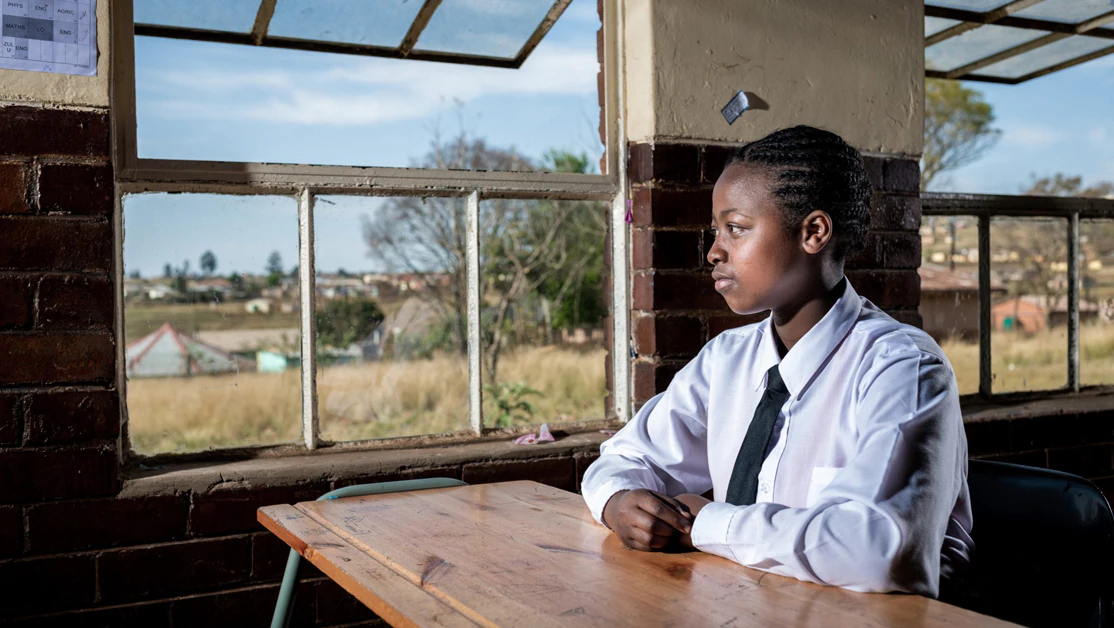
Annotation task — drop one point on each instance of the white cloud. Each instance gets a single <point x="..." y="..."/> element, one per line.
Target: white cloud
<point x="366" y="91"/>
<point x="218" y="80"/>
<point x="1097" y="135"/>
<point x="1030" y="136"/>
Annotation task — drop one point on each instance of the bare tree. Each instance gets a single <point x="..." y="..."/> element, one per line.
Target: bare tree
<point x="524" y="245"/>
<point x="1041" y="244"/>
<point x="530" y="244"/>
<point x="1060" y="184"/>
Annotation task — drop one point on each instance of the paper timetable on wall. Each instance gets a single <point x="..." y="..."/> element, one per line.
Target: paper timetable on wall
<point x="58" y="36"/>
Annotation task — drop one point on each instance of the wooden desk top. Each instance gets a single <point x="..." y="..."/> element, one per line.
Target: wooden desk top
<point x="525" y="554"/>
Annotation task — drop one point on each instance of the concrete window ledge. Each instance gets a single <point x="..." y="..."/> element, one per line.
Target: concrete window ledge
<point x="341" y="468"/>
<point x="1069" y="418"/>
<point x="1035" y="405"/>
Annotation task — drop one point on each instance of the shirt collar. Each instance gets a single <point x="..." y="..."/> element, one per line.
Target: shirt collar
<point x="800" y="365"/>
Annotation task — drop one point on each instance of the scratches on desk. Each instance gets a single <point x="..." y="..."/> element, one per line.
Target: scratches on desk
<point x="370" y="506"/>
<point x="434" y="567"/>
<point x="566" y="550"/>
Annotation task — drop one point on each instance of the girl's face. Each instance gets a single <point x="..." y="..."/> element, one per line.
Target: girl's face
<point x="759" y="263"/>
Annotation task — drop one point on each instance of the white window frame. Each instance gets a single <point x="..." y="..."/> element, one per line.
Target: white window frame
<point x="306" y="182"/>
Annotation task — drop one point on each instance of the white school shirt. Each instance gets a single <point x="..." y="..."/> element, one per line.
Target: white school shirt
<point x="864" y="485"/>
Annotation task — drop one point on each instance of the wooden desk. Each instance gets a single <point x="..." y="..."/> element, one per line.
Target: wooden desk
<point x="524" y="554"/>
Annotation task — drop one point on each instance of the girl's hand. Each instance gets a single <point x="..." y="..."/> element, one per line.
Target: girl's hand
<point x="645" y="520"/>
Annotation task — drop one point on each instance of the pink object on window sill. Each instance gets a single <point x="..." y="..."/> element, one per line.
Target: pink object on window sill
<point x="543" y="436"/>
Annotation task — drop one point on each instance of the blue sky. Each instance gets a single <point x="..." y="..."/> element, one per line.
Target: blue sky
<point x="1063" y="122"/>
<point x="239" y="103"/>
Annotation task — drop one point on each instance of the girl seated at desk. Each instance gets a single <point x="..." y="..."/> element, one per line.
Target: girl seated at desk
<point x="829" y="434"/>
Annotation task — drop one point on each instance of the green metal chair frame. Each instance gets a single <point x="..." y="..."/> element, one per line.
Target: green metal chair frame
<point x="284" y="607"/>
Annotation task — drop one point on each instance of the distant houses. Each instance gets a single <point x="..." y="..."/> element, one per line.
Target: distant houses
<point x="258" y="306"/>
<point x="950" y="306"/>
<point x="167" y="352"/>
<point x="1031" y="314"/>
<point x="950" y="301"/>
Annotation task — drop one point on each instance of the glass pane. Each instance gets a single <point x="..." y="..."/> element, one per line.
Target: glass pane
<point x="218" y="15"/>
<point x="950" y="292"/>
<point x="391" y="306"/>
<point x="1046" y="56"/>
<point x="492" y="28"/>
<point x="1070" y="11"/>
<point x="369" y="22"/>
<point x="933" y="25"/>
<point x="222" y="102"/>
<point x="1096" y="305"/>
<point x="1029" y="338"/>
<point x="211" y="321"/>
<point x="543" y="310"/>
<point x="981" y="6"/>
<point x="974" y="45"/>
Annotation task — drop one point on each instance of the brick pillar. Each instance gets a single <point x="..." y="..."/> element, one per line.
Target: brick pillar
<point x="675" y="308"/>
<point x="59" y="415"/>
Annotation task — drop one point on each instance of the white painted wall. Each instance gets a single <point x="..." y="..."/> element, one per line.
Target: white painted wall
<point x="855" y="67"/>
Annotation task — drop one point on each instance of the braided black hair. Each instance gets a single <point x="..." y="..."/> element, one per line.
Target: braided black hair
<point x="815" y="169"/>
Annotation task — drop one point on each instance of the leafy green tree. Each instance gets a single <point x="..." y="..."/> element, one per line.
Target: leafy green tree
<point x="958" y="128"/>
<point x="343" y="321"/>
<point x="208" y="263"/>
<point x="274" y="269"/>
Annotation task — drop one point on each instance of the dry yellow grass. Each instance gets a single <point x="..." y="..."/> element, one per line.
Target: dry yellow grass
<point x="355" y="402"/>
<point x="1037" y="362"/>
<point x="191" y="414"/>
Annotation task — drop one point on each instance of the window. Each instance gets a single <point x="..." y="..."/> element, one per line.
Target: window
<point x="211" y="298"/>
<point x="217" y="100"/>
<point x="998" y="41"/>
<point x="1044" y="295"/>
<point x="342" y="286"/>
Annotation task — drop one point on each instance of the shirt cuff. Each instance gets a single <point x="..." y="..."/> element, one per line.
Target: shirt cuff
<point x="597" y="497"/>
<point x="709" y="531"/>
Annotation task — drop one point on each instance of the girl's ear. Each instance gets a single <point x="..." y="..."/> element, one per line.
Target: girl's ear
<point x="816" y="232"/>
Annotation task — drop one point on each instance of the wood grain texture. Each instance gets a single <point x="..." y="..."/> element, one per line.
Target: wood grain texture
<point x="380" y="589"/>
<point x="525" y="554"/>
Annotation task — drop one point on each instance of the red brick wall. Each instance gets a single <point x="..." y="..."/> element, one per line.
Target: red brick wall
<point x="1082" y="444"/>
<point x="676" y="310"/>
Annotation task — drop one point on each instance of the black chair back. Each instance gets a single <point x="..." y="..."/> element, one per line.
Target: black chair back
<point x="1044" y="547"/>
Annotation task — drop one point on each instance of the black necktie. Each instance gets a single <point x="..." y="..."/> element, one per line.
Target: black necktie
<point x="743" y="487"/>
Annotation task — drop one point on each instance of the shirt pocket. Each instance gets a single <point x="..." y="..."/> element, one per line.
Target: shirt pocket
<point x="821" y="478"/>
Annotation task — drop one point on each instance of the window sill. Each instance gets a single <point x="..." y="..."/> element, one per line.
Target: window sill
<point x="326" y="467"/>
<point x="1033" y="405"/>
